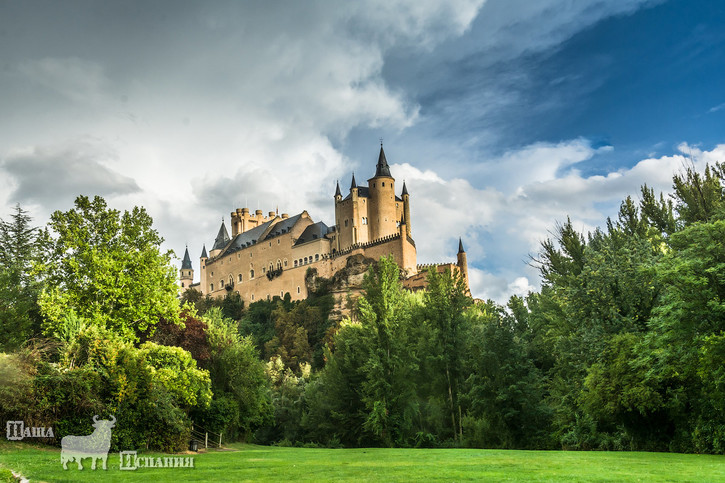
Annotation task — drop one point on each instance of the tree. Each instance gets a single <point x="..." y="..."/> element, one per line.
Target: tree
<point x="21" y="247"/>
<point x="445" y="300"/>
<point x="109" y="269"/>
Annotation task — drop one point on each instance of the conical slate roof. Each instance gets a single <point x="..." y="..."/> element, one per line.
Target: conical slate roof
<point x="382" y="169"/>
<point x="186" y="263"/>
<point x="353" y="184"/>
<point x="203" y="252"/>
<point x="337" y="190"/>
<point x="405" y="189"/>
<point x="222" y="238"/>
<point x="460" y="246"/>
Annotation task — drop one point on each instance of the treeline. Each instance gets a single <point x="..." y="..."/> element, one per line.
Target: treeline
<point x="623" y="348"/>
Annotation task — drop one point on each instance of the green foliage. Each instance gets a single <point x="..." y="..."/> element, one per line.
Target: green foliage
<point x="504" y="390"/>
<point x="21" y="251"/>
<point x="108" y="268"/>
<point x="237" y="376"/>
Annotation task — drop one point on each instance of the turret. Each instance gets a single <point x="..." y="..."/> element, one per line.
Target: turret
<point x="463" y="262"/>
<point x="202" y="264"/>
<point x="220" y="241"/>
<point x="406" y="209"/>
<point x="381" y="202"/>
<point x="338" y="194"/>
<point x="187" y="272"/>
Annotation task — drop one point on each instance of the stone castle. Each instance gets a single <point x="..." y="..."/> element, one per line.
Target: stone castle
<point x="268" y="256"/>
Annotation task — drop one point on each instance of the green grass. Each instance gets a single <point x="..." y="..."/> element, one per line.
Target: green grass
<point x="263" y="463"/>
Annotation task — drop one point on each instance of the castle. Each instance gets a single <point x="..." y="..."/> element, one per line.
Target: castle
<point x="268" y="256"/>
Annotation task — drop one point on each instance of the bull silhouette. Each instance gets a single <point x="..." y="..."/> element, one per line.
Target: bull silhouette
<point x="94" y="446"/>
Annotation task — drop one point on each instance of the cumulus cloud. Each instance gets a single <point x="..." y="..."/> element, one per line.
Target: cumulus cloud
<point x="53" y="175"/>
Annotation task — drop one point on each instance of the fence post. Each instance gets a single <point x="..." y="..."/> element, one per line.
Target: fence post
<point x="206" y="440"/>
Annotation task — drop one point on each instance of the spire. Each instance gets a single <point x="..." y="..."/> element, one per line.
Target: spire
<point x="405" y="189"/>
<point x="382" y="169"/>
<point x="222" y="238"/>
<point x="203" y="252"/>
<point x="353" y="184"/>
<point x="186" y="263"/>
<point x="337" y="190"/>
<point x="460" y="246"/>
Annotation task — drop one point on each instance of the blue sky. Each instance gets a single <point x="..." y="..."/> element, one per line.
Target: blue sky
<point x="503" y="116"/>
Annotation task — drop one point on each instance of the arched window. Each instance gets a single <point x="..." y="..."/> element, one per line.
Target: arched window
<point x="221" y="284"/>
<point x="305" y="260"/>
<point x="231" y="280"/>
<point x="317" y="256"/>
<point x="295" y="263"/>
<point x="211" y="287"/>
<point x="279" y="264"/>
<point x="251" y="276"/>
<point x="240" y="277"/>
<point x="285" y="263"/>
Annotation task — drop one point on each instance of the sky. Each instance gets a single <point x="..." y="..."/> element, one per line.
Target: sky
<point x="503" y="117"/>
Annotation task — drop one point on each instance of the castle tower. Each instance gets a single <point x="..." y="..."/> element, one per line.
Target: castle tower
<point x="187" y="272"/>
<point x="406" y="209"/>
<point x="381" y="202"/>
<point x="222" y="238"/>
<point x="202" y="263"/>
<point x="463" y="262"/>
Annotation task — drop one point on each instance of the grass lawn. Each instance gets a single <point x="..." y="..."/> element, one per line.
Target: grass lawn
<point x="263" y="463"/>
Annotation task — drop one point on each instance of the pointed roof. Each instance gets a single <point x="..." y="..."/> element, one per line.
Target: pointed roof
<point x="405" y="189"/>
<point x="353" y="184"/>
<point x="460" y="246"/>
<point x="337" y="190"/>
<point x="203" y="252"/>
<point x="222" y="238"/>
<point x="382" y="169"/>
<point x="186" y="263"/>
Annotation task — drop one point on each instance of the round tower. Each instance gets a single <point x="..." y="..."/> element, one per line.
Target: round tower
<point x="406" y="209"/>
<point x="463" y="263"/>
<point x="381" y="201"/>
<point x="187" y="272"/>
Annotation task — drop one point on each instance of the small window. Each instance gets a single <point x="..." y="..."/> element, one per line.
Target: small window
<point x="277" y="241"/>
<point x="305" y="260"/>
<point x="264" y="270"/>
<point x="383" y="184"/>
<point x="252" y="296"/>
<point x="182" y="284"/>
<point x="212" y="274"/>
<point x="251" y="274"/>
<point x="240" y="277"/>
<point x="295" y="263"/>
<point x="270" y="243"/>
<point x="298" y="290"/>
<point x="317" y="256"/>
<point x="250" y="254"/>
<point x="281" y="294"/>
<point x="211" y="287"/>
<point x="345" y="223"/>
<point x="221" y="283"/>
<point x="285" y="263"/>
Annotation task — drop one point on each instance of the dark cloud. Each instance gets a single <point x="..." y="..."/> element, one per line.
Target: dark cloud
<point x="49" y="174"/>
